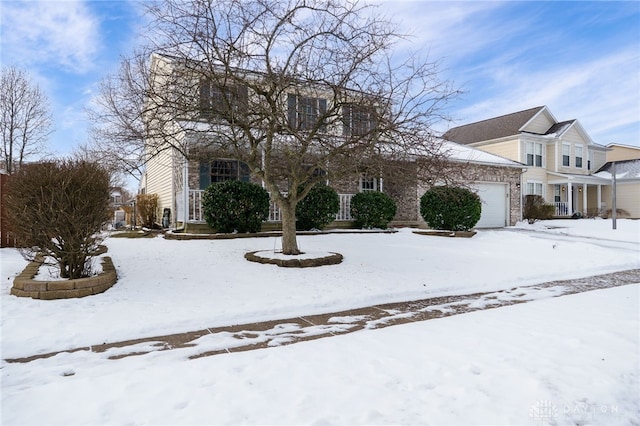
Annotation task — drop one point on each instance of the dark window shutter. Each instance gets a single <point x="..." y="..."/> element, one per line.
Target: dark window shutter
<point x="322" y="110"/>
<point x="205" y="174"/>
<point x="293" y="112"/>
<point x="205" y="96"/>
<point x="245" y="174"/>
<point x="346" y="117"/>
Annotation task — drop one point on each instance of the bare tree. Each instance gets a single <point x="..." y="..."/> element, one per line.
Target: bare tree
<point x="25" y="118"/>
<point x="290" y="88"/>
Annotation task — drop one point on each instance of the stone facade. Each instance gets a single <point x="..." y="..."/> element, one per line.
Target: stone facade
<point x="405" y="187"/>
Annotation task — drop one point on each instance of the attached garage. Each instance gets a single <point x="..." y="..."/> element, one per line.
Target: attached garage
<point x="495" y="204"/>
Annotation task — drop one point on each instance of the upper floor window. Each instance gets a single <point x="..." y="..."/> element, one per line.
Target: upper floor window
<point x="358" y="120"/>
<point x="566" y="155"/>
<point x="305" y="113"/>
<point x="222" y="101"/>
<point x="578" y="150"/>
<point x="220" y="170"/>
<point x="589" y="159"/>
<point x="534" y="154"/>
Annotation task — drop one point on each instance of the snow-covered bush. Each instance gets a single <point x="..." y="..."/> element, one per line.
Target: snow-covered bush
<point x="372" y="209"/>
<point x="235" y="206"/>
<point x="318" y="208"/>
<point x="450" y="208"/>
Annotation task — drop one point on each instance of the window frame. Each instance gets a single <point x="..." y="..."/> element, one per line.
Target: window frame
<point x="358" y="120"/>
<point x="534" y="185"/>
<point x="305" y="112"/>
<point x="368" y="184"/>
<point x="222" y="101"/>
<point x="238" y="170"/>
<point x="566" y="156"/>
<point x="578" y="158"/>
<point x="532" y="157"/>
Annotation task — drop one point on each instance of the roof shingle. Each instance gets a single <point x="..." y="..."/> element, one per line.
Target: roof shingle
<point x="492" y="128"/>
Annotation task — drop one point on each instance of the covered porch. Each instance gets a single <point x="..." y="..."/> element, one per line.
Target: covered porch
<point x="194" y="213"/>
<point x="576" y="194"/>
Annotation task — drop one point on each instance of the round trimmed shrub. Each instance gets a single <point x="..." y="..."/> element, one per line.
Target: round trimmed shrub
<point x="450" y="208"/>
<point x="372" y="209"/>
<point x="234" y="205"/>
<point x="318" y="208"/>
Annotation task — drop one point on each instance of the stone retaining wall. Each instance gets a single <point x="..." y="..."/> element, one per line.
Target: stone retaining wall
<point x="25" y="286"/>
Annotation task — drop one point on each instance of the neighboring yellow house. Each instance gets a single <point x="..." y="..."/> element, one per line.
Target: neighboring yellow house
<point x="627" y="167"/>
<point x="620" y="152"/>
<point x="562" y="159"/>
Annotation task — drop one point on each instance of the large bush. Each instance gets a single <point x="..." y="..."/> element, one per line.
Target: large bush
<point x="235" y="206"/>
<point x="372" y="209"/>
<point x="318" y="208"/>
<point x="535" y="208"/>
<point x="57" y="208"/>
<point x="450" y="208"/>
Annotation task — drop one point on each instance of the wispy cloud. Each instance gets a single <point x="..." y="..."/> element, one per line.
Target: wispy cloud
<point x="57" y="33"/>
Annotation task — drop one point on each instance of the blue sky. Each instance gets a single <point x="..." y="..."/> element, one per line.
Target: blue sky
<point x="581" y="59"/>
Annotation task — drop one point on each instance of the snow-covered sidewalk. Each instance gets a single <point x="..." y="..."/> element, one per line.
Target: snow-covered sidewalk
<point x="242" y="337"/>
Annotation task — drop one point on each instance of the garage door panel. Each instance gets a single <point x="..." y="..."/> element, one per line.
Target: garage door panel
<point x="494" y="204"/>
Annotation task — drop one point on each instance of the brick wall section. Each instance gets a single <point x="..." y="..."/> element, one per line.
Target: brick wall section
<point x="25" y="286"/>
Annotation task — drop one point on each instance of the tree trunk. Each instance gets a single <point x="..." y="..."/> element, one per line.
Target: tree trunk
<point x="289" y="241"/>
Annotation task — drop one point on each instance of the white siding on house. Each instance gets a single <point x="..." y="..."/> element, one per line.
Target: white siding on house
<point x="159" y="180"/>
<point x="540" y="124"/>
<point x="508" y="149"/>
<point x="627" y="196"/>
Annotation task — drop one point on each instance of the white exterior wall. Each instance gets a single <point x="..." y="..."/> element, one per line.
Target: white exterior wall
<point x="627" y="196"/>
<point x="159" y="180"/>
<point x="508" y="149"/>
<point x="540" y="124"/>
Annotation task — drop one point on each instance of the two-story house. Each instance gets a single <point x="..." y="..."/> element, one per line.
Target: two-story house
<point x="560" y="155"/>
<point x="179" y="180"/>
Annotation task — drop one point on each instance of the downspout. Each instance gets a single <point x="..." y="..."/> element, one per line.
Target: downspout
<point x="185" y="192"/>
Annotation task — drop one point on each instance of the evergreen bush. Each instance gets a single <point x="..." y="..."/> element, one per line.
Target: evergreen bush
<point x="372" y="209"/>
<point x="536" y="209"/>
<point x="235" y="206"/>
<point x="318" y="208"/>
<point x="450" y="208"/>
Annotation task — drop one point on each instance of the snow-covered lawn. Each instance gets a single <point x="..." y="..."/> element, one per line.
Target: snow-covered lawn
<point x="544" y="361"/>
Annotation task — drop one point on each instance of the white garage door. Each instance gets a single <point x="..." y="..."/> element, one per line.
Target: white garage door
<point x="494" y="204"/>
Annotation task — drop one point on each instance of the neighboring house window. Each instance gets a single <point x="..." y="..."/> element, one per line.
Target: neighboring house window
<point x="565" y="155"/>
<point x="534" y="188"/>
<point x="368" y="184"/>
<point x="221" y="170"/>
<point x="578" y="156"/>
<point x="358" y="120"/>
<point x="590" y="159"/>
<point x="534" y="154"/>
<point x="305" y="112"/>
<point x="218" y="101"/>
